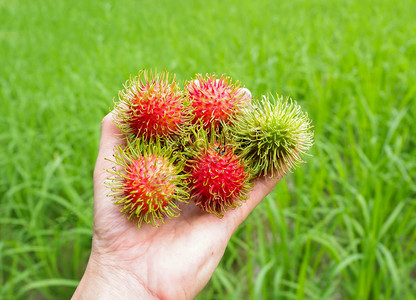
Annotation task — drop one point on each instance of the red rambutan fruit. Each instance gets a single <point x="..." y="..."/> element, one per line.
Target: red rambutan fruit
<point x="218" y="179"/>
<point x="149" y="184"/>
<point x="151" y="105"/>
<point x="214" y="100"/>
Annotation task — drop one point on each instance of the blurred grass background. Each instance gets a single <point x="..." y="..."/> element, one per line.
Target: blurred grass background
<point x="343" y="226"/>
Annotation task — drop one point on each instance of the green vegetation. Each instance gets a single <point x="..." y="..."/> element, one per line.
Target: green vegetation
<point x="343" y="226"/>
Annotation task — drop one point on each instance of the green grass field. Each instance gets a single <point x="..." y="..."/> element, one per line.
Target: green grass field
<point x="342" y="226"/>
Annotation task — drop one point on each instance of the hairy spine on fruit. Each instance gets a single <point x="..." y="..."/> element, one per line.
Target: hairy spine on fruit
<point x="148" y="183"/>
<point x="214" y="100"/>
<point x="273" y="135"/>
<point x="150" y="106"/>
<point x="218" y="178"/>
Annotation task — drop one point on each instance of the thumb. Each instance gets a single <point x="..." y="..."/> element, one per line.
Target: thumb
<point x="110" y="138"/>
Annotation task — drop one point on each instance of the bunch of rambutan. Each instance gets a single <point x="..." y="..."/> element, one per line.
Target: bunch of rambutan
<point x="205" y="143"/>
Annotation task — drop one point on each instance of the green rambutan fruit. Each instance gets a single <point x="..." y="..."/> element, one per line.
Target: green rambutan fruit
<point x="272" y="135"/>
<point x="150" y="105"/>
<point x="214" y="100"/>
<point x="218" y="178"/>
<point x="149" y="182"/>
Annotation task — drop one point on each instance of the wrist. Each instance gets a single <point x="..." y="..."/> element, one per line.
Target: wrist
<point x="108" y="282"/>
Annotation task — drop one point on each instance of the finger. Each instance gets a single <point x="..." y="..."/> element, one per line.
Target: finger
<point x="262" y="187"/>
<point x="110" y="138"/>
<point x="245" y="94"/>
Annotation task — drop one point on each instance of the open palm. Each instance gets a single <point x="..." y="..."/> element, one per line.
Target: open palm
<point x="174" y="261"/>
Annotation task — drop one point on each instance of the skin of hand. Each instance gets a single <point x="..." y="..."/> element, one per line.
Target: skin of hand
<point x="174" y="261"/>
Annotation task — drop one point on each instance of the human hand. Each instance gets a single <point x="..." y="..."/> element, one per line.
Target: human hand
<point x="174" y="261"/>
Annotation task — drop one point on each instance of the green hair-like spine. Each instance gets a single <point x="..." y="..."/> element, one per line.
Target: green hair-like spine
<point x="214" y="100"/>
<point x="199" y="142"/>
<point x="124" y="158"/>
<point x="272" y="135"/>
<point x="134" y="97"/>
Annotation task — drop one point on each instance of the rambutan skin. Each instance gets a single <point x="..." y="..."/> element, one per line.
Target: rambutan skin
<point x="272" y="135"/>
<point x="149" y="182"/>
<point x="214" y="100"/>
<point x="205" y="143"/>
<point x="218" y="178"/>
<point x="150" y="105"/>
